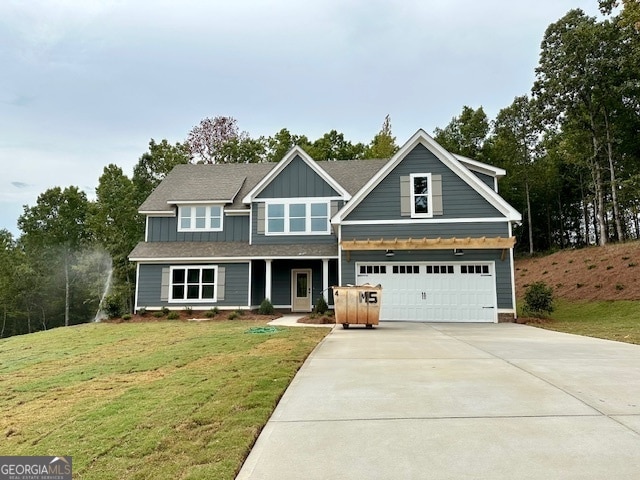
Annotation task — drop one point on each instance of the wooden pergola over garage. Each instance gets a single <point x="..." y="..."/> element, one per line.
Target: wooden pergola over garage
<point x="469" y="243"/>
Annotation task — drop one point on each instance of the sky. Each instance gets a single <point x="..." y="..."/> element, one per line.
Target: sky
<point x="87" y="83"/>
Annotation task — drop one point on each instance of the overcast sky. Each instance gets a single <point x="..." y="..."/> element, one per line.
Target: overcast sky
<point x="86" y="83"/>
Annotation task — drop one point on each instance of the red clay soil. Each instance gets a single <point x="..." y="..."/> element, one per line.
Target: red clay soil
<point x="593" y="273"/>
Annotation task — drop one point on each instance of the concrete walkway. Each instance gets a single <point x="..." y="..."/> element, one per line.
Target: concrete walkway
<point x="456" y="401"/>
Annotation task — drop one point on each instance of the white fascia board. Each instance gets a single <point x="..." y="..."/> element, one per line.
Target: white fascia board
<point x="158" y="213"/>
<point x="423" y="138"/>
<point x="237" y="213"/>
<point x="480" y="167"/>
<point x="433" y="220"/>
<point x="286" y="160"/>
<point x="193" y="260"/>
<point x="198" y="202"/>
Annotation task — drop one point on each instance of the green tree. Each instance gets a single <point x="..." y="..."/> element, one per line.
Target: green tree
<point x="514" y="143"/>
<point x="580" y="83"/>
<point x="117" y="226"/>
<point x="155" y="164"/>
<point x="465" y="134"/>
<point x="333" y="146"/>
<point x="383" y="144"/>
<point x="280" y="143"/>
<point x="57" y="226"/>
<point x="8" y="265"/>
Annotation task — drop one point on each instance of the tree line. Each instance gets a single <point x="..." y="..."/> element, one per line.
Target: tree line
<point x="571" y="148"/>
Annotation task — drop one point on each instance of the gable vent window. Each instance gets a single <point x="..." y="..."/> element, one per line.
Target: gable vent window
<point x="299" y="217"/>
<point x="195" y="218"/>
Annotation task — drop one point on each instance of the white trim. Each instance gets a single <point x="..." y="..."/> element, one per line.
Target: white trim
<point x="325" y="279"/>
<point x="213" y="201"/>
<point x="412" y="193"/>
<point x="287" y="202"/>
<point x="480" y="167"/>
<point x="237" y="213"/>
<point x="426" y="220"/>
<point x="251" y="219"/>
<point x="193" y="300"/>
<point x="513" y="279"/>
<point x="158" y="213"/>
<point x="249" y="291"/>
<point x="146" y="229"/>
<point x="339" y="255"/>
<point x="207" y="218"/>
<point x="422" y="138"/>
<point x="135" y="303"/>
<point x="286" y="160"/>
<point x="190" y="260"/>
<point x="268" y="279"/>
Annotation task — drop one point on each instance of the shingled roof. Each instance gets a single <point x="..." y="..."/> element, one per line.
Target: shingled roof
<point x="195" y="250"/>
<point x="229" y="183"/>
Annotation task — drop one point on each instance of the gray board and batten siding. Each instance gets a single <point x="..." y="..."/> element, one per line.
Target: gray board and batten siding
<point x="502" y="267"/>
<point x="298" y="180"/>
<point x="151" y="295"/>
<point x="165" y="229"/>
<point x="459" y="200"/>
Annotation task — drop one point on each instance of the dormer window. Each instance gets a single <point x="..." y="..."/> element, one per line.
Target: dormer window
<point x="200" y="218"/>
<point x="421" y="195"/>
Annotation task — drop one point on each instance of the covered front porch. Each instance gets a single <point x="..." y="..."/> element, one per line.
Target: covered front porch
<point x="292" y="283"/>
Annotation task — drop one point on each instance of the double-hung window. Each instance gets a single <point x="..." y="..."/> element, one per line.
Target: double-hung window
<point x="421" y="195"/>
<point x="200" y="218"/>
<point x="193" y="284"/>
<point x="297" y="217"/>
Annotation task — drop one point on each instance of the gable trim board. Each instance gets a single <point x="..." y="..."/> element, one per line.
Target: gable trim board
<point x="288" y="158"/>
<point x="422" y="138"/>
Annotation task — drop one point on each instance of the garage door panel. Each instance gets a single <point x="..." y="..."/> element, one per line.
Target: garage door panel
<point x="438" y="292"/>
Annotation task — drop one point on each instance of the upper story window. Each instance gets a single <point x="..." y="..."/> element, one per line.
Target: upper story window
<point x="200" y="218"/>
<point x="421" y="195"/>
<point x="297" y="217"/>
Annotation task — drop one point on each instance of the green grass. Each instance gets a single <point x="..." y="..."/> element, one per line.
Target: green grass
<point x="146" y="400"/>
<point x="612" y="320"/>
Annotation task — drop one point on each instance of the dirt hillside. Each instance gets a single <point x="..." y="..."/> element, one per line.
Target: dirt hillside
<point x="594" y="273"/>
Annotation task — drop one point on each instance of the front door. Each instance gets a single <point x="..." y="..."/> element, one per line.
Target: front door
<point x="301" y="290"/>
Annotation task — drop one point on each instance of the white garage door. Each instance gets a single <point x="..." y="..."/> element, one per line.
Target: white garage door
<point x="433" y="292"/>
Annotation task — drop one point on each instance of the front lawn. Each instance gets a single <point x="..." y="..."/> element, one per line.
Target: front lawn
<point x="146" y="400"/>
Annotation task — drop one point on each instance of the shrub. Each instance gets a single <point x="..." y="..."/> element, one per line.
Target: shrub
<point x="538" y="299"/>
<point x="321" y="306"/>
<point x="126" y="316"/>
<point x="112" y="306"/>
<point x="239" y="312"/>
<point x="142" y="311"/>
<point x="158" y="314"/>
<point x="266" y="307"/>
<point x="619" y="287"/>
<point x="173" y="316"/>
<point x="233" y="315"/>
<point x="165" y="310"/>
<point x="212" y="312"/>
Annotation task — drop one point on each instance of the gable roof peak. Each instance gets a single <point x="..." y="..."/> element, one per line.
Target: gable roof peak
<point x="296" y="151"/>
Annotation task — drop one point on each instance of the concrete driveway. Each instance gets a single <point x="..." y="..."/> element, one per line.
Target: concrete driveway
<point x="456" y="401"/>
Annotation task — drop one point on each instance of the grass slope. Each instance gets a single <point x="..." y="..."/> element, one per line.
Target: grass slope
<point x="146" y="400"/>
<point x="597" y="290"/>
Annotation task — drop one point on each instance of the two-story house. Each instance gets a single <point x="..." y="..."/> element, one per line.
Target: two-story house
<point x="427" y="225"/>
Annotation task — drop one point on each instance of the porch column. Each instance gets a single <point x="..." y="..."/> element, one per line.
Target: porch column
<point x="325" y="279"/>
<point x="267" y="280"/>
